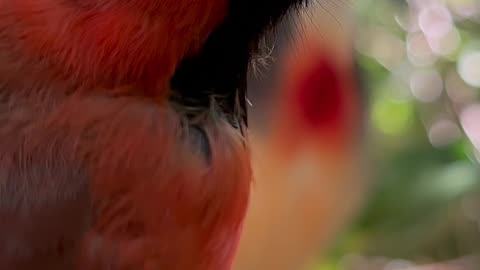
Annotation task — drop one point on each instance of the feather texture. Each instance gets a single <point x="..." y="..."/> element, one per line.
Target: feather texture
<point x="101" y="167"/>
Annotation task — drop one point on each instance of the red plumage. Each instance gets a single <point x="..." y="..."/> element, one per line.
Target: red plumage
<point x="111" y="43"/>
<point x="81" y="84"/>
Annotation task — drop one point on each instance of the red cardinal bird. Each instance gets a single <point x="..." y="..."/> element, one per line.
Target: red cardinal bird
<point x="308" y="164"/>
<point x="121" y="125"/>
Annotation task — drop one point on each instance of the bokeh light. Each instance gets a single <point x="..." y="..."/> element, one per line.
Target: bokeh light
<point x="422" y="64"/>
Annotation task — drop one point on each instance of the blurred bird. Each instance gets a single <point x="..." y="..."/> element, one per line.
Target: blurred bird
<point x="308" y="166"/>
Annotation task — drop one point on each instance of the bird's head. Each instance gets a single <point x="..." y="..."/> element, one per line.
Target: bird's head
<point x="186" y="51"/>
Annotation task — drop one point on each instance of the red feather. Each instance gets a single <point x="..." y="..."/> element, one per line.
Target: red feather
<point x="111" y="43"/>
<point x="154" y="200"/>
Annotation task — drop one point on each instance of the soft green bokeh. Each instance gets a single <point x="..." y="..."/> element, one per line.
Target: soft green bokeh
<point x="425" y="198"/>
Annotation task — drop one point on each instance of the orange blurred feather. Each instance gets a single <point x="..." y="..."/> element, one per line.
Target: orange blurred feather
<point x="308" y="166"/>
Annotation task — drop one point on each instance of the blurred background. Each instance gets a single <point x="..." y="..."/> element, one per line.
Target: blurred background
<point x="421" y="64"/>
<point x="398" y="191"/>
